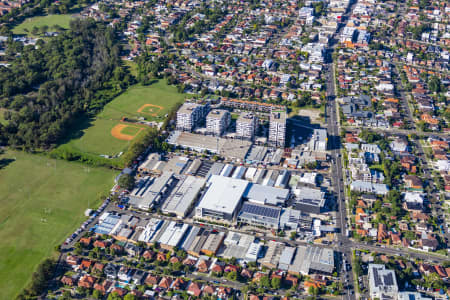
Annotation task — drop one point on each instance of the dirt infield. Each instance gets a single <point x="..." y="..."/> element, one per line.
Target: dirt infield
<point x="149" y="109"/>
<point x="117" y="132"/>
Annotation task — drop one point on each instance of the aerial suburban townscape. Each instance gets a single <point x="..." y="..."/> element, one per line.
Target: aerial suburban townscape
<point x="200" y="149"/>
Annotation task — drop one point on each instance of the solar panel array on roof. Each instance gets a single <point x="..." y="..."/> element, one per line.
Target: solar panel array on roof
<point x="260" y="210"/>
<point x="377" y="277"/>
<point x="388" y="279"/>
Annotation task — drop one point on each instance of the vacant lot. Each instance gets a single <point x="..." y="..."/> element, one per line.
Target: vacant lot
<point x="312" y="115"/>
<point x="50" y="20"/>
<point x="149" y="102"/>
<point x="42" y="203"/>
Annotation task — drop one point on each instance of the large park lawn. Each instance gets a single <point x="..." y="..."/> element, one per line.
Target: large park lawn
<point x="160" y="98"/>
<point x="42" y="202"/>
<point x="154" y="101"/>
<point x="49" y="20"/>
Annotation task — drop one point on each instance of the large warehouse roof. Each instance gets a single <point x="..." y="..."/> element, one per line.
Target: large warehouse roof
<point x="183" y="195"/>
<point x="223" y="194"/>
<point x="264" y="194"/>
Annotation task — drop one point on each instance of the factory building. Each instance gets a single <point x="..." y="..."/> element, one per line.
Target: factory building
<point x="263" y="194"/>
<point x="273" y="254"/>
<point x="183" y="196"/>
<point x="173" y="235"/>
<point x="311" y="259"/>
<point x="222" y="199"/>
<point x="237" y="244"/>
<point x="150" y="190"/>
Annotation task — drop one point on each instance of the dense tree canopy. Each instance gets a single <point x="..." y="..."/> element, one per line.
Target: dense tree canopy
<point x="48" y="87"/>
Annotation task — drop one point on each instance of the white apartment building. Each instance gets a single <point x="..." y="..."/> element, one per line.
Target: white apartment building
<point x="189" y="115"/>
<point x="277" y="128"/>
<point x="319" y="140"/>
<point x="217" y="121"/>
<point x="246" y="125"/>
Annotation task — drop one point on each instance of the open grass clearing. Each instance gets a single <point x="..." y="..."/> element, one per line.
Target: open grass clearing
<point x="42" y="203"/>
<point x="3" y="121"/>
<point x="49" y="20"/>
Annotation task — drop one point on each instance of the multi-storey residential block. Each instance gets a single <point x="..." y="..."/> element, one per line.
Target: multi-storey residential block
<point x="246" y="126"/>
<point x="319" y="140"/>
<point x="217" y="121"/>
<point x="189" y="115"/>
<point x="277" y="128"/>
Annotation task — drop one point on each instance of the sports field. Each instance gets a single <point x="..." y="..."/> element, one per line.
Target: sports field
<point x="49" y="20"/>
<point x="108" y="134"/>
<point x="150" y="102"/>
<point x="42" y="203"/>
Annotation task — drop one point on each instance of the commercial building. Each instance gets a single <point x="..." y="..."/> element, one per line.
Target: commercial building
<point x="310" y="200"/>
<point x="246" y="125"/>
<point x="253" y="252"/>
<point x="151" y="164"/>
<point x="107" y="224"/>
<point x="237" y="245"/>
<point x="150" y="190"/>
<point x="195" y="247"/>
<point x="222" y="199"/>
<point x="189" y="115"/>
<point x="295" y="219"/>
<point x="273" y="254"/>
<point x="239" y="172"/>
<point x="310" y="259"/>
<point x="217" y="121"/>
<point x="286" y="258"/>
<point x="263" y="194"/>
<point x="277" y="128"/>
<point x="183" y="196"/>
<point x="192" y="233"/>
<point x="172" y="235"/>
<point x="260" y="215"/>
<point x="382" y="282"/>
<point x="150" y="230"/>
<point x="213" y="243"/>
<point x="318" y="140"/>
<point x="230" y="148"/>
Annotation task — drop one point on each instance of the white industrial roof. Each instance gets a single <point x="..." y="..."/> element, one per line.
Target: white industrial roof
<point x="266" y="194"/>
<point x="183" y="195"/>
<point x="223" y="194"/>
<point x="173" y="234"/>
